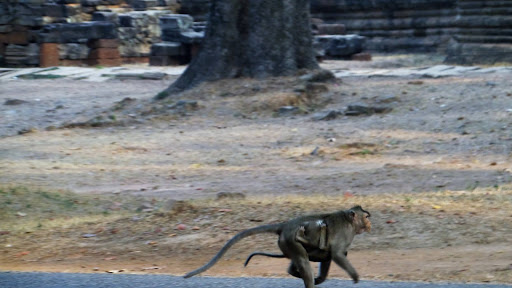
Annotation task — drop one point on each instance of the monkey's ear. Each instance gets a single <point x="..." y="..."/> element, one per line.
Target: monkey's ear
<point x="352" y="215"/>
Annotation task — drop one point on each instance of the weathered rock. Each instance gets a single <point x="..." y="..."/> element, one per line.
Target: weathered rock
<point x="12" y="102"/>
<point x="386" y="99"/>
<point x="22" y="55"/>
<point x="77" y="32"/>
<point x="106" y="16"/>
<point x="287" y="110"/>
<point x="179" y="28"/>
<point x="326" y="115"/>
<point x="167" y="49"/>
<point x="73" y="51"/>
<point x="338" y="46"/>
<point x="144" y="4"/>
<point x="141" y="76"/>
<point x="356" y="109"/>
<point x="330" y="29"/>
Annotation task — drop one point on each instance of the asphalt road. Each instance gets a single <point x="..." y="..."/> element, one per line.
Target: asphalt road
<point x="65" y="280"/>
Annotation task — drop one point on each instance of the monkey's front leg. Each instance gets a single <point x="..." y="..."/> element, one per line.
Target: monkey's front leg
<point x="322" y="272"/>
<point x="342" y="261"/>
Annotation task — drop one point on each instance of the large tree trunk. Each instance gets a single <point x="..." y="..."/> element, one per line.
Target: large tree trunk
<point x="252" y="38"/>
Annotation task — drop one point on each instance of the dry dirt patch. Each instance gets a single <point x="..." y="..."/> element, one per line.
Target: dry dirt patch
<point x="427" y="236"/>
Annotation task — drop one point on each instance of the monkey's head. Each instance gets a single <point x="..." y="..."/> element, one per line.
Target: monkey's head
<point x="360" y="219"/>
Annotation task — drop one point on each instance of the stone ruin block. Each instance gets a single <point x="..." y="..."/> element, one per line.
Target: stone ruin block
<point x="91" y="2"/>
<point x="73" y="51"/>
<point x="137" y="31"/>
<point x="338" y="46"/>
<point x="104" y="43"/>
<point x="28" y="1"/>
<point x="167" y="2"/>
<point x="49" y="55"/>
<point x="179" y="28"/>
<point x="331" y="29"/>
<point x="104" y="52"/>
<point x="106" y="16"/>
<point x="167" y="49"/>
<point x="176" y="22"/>
<point x="77" y="32"/>
<point x="168" y="53"/>
<point x="140" y="5"/>
<point x="22" y="55"/>
<point x="6" y="28"/>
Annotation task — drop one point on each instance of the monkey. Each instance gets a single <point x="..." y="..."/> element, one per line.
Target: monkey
<point x="313" y="233"/>
<point x="310" y="233"/>
<point x="341" y="228"/>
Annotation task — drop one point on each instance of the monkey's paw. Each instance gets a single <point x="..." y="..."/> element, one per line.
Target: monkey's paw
<point x="355" y="278"/>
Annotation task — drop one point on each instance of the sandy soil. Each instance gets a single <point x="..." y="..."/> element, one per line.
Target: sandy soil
<point x="443" y="134"/>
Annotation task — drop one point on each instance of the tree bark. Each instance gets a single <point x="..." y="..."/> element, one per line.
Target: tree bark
<point x="251" y="38"/>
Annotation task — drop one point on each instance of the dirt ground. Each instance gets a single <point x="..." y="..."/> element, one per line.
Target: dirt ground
<point x="435" y="170"/>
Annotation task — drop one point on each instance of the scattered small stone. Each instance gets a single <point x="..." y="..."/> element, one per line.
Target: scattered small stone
<point x="12" y="102"/>
<point x="138" y="76"/>
<point x="286" y="110"/>
<point x="184" y="105"/>
<point x="27" y="131"/>
<point x="325" y="116"/>
<point x="386" y="99"/>
<point x="115" y="271"/>
<point x="357" y="109"/>
<point x="181" y="227"/>
<point x="21" y="214"/>
<point x="151" y="268"/>
<point x="415" y="82"/>
<point x="89" y="235"/>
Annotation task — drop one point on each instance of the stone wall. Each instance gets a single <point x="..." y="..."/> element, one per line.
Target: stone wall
<point x="68" y="32"/>
<point x="390" y="26"/>
<point x="468" y="31"/>
<point x="79" y="32"/>
<point x="484" y="33"/>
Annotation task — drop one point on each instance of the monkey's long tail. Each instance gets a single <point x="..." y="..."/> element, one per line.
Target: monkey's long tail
<point x="271" y="228"/>
<point x="262" y="254"/>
